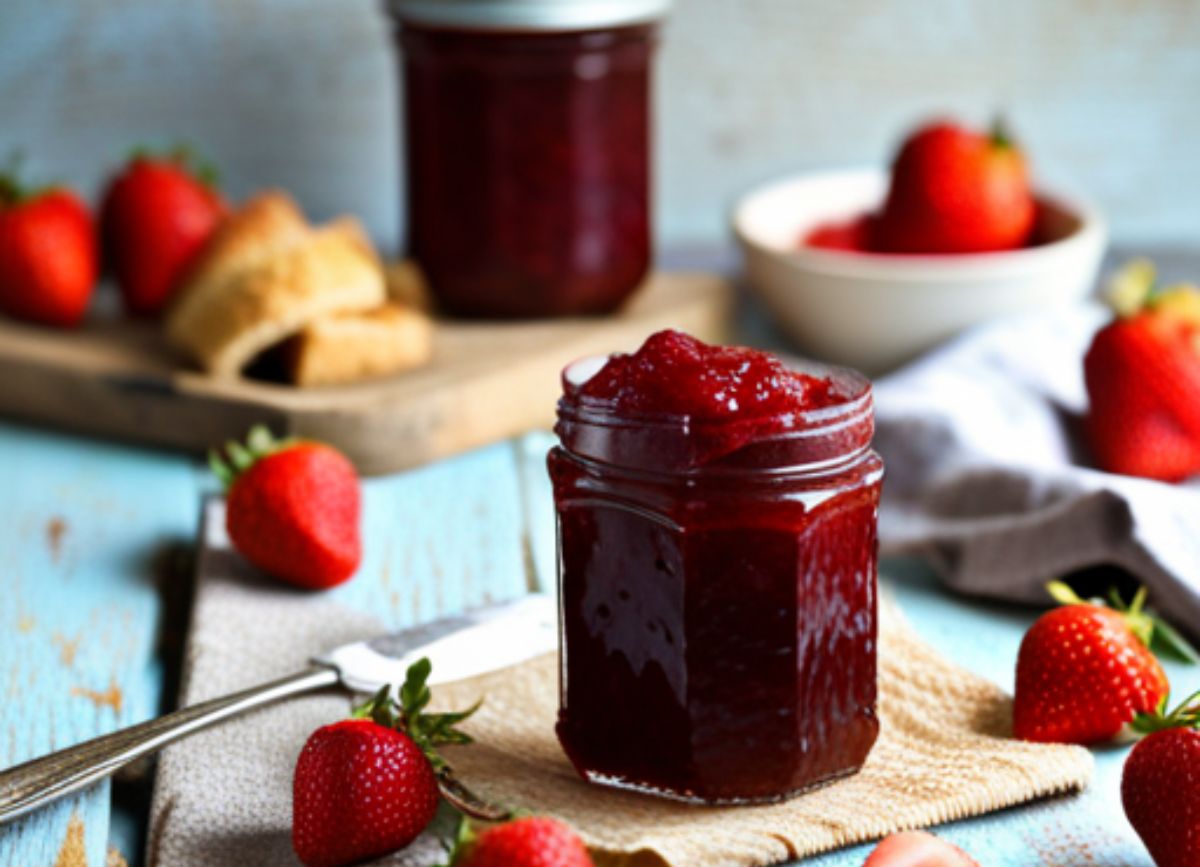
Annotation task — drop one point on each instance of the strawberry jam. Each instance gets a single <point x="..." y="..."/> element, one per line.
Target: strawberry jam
<point x="717" y="568"/>
<point x="528" y="168"/>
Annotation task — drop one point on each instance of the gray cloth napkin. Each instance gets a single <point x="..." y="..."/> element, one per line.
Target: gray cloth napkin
<point x="988" y="478"/>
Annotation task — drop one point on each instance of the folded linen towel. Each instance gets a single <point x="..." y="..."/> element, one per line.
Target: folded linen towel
<point x="988" y="477"/>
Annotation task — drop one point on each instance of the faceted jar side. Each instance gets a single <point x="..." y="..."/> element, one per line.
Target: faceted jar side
<point x="719" y="636"/>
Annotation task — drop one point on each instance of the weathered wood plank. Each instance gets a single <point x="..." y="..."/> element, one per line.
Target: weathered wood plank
<point x="537" y="501"/>
<point x="82" y="525"/>
<point x="487" y="381"/>
<point x="440" y="539"/>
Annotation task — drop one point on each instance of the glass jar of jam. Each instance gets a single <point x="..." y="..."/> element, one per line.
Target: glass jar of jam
<point x="527" y="125"/>
<point x="717" y="570"/>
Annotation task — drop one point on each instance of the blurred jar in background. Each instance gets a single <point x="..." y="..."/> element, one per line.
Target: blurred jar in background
<point x="527" y="126"/>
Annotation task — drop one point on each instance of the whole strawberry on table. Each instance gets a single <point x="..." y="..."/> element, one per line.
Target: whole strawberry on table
<point x="48" y="254"/>
<point x="372" y="784"/>
<point x="367" y="786"/>
<point x="1160" y="786"/>
<point x="1086" y="675"/>
<point x="1143" y="379"/>
<point x="1087" y="670"/>
<point x="293" y="508"/>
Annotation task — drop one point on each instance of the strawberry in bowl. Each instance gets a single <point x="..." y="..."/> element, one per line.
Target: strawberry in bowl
<point x="955" y="190"/>
<point x="952" y="190"/>
<point x="868" y="268"/>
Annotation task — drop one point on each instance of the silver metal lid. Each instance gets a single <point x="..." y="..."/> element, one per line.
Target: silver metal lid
<point x="529" y="14"/>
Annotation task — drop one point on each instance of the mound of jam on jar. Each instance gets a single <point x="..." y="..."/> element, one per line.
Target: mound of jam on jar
<point x="717" y="530"/>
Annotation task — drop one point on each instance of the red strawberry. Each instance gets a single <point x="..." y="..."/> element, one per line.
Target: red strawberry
<point x="917" y="849"/>
<point x="292" y="508"/>
<point x="851" y="235"/>
<point x="1143" y="379"/>
<point x="368" y="786"/>
<point x="48" y="258"/>
<point x="534" y="841"/>
<point x="954" y="190"/>
<point x="156" y="216"/>
<point x="1158" y="786"/>
<point x="1158" y="790"/>
<point x="1084" y="671"/>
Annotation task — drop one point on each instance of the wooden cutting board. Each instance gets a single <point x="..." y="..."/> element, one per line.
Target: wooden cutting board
<point x="487" y="381"/>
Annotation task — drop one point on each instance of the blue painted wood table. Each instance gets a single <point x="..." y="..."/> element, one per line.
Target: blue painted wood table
<point x="94" y="596"/>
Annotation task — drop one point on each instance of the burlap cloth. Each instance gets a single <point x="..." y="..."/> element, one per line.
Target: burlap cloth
<point x="944" y="752"/>
<point x="224" y="795"/>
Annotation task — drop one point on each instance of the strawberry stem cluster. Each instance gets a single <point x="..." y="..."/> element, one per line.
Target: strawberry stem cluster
<point x="12" y="191"/>
<point x="1135" y="287"/>
<point x="428" y="730"/>
<point x="182" y="155"/>
<point x="1150" y="629"/>
<point x="1186" y="715"/>
<point x="235" y="458"/>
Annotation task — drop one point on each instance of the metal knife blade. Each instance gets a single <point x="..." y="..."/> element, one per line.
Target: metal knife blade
<point x="467" y="645"/>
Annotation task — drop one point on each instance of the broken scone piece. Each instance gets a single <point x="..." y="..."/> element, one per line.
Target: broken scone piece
<point x="345" y="347"/>
<point x="267" y="277"/>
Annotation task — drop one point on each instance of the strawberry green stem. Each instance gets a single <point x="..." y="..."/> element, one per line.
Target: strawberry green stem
<point x="183" y="155"/>
<point x="1185" y="715"/>
<point x="235" y="458"/>
<point x="1000" y="135"/>
<point x="429" y="731"/>
<point x="12" y="191"/>
<point x="1150" y="629"/>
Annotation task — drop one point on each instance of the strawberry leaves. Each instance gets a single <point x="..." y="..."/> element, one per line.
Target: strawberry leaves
<point x="1185" y="715"/>
<point x="182" y="155"/>
<point x="236" y="458"/>
<point x="1150" y="628"/>
<point x="430" y="731"/>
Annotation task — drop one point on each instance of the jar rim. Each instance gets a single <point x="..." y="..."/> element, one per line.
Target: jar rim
<point x="827" y="435"/>
<point x="824" y="419"/>
<point x="552" y="15"/>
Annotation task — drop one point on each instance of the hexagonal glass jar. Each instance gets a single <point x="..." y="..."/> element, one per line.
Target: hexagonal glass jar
<point x="718" y="599"/>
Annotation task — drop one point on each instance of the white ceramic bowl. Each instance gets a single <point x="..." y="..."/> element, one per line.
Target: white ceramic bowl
<point x="875" y="311"/>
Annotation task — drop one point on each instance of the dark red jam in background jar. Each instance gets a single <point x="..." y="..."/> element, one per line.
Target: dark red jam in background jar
<point x="527" y="126"/>
<point x="717" y="568"/>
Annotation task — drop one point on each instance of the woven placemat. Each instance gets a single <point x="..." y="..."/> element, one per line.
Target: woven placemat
<point x="944" y="752"/>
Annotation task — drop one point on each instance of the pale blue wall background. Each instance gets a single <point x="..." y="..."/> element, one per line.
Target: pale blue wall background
<point x="302" y="93"/>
